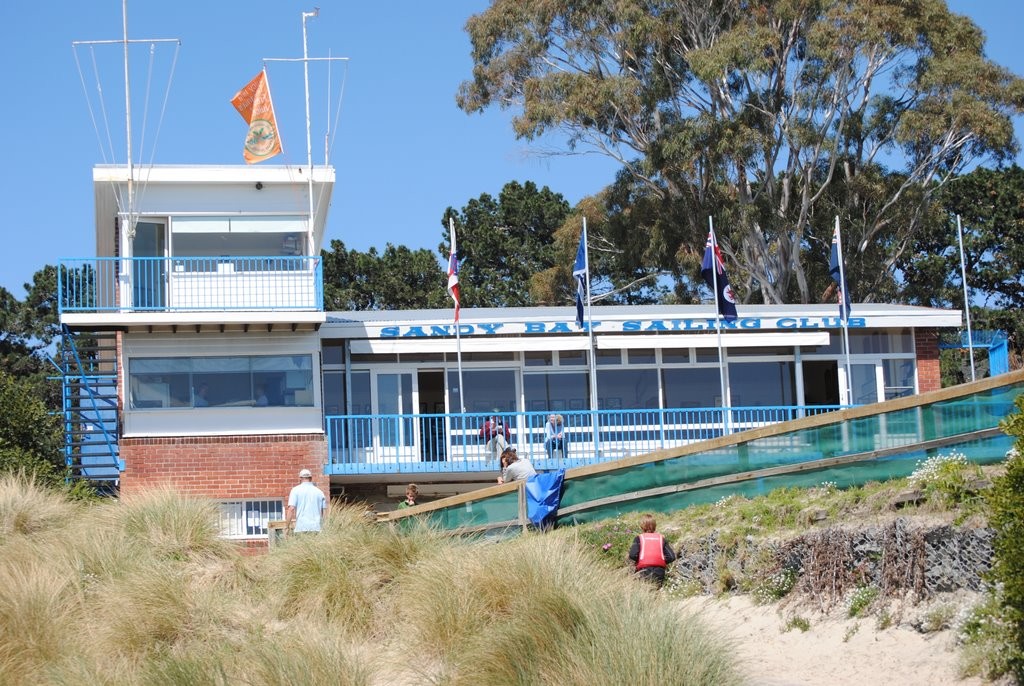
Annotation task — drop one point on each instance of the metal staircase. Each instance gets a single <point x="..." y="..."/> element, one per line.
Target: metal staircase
<point x="88" y="362"/>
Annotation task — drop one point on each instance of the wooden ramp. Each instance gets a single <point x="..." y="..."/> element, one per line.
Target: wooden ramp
<point x="847" y="447"/>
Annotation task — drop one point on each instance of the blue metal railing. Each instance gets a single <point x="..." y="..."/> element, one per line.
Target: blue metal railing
<point x="189" y="284"/>
<point x="424" y="443"/>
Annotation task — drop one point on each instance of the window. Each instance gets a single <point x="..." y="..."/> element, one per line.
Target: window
<point x="486" y="390"/>
<point x="249" y="518"/>
<point x="630" y="389"/>
<point x="537" y="358"/>
<point x="548" y="393"/>
<point x="235" y="237"/>
<point x="694" y="387"/>
<point x="762" y="384"/>
<point x="199" y="382"/>
<point x="898" y="377"/>
<point x="642" y="355"/>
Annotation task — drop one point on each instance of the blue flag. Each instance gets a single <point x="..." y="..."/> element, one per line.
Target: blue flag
<point x="835" y="270"/>
<point x="579" y="270"/>
<point x="713" y="261"/>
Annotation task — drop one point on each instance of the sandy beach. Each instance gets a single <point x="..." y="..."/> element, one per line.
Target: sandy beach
<point x="834" y="651"/>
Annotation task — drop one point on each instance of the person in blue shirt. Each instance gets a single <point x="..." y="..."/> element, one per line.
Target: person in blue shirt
<point x="306" y="505"/>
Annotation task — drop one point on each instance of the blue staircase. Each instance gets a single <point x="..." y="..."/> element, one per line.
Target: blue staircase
<point x="88" y="363"/>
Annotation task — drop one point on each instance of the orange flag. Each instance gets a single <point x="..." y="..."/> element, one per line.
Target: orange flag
<point x="257" y="109"/>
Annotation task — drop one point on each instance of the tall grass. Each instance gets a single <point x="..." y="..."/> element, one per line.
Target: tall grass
<point x="143" y="592"/>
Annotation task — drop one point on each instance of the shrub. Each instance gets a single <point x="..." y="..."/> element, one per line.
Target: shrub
<point x="796" y="622"/>
<point x="946" y="479"/>
<point x="860" y="600"/>
<point x="1006" y="500"/>
<point x="610" y="539"/>
<point x="775" y="587"/>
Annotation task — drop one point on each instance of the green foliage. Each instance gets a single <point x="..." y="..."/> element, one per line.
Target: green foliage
<point x="796" y="622"/>
<point x="938" y="618"/>
<point x="720" y="110"/>
<point x="1006" y="500"/>
<point x="946" y="479"/>
<point x="775" y="587"/>
<point x="860" y="600"/>
<point x="989" y="639"/>
<point x="398" y="278"/>
<point x="504" y="242"/>
<point x="609" y="539"/>
<point x="30" y="436"/>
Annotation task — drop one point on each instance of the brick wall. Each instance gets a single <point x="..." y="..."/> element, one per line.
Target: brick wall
<point x="224" y="467"/>
<point x="926" y="344"/>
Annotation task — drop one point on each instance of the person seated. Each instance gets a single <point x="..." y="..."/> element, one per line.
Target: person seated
<point x="261" y="396"/>
<point x="496" y="434"/>
<point x="554" y="436"/>
<point x="513" y="468"/>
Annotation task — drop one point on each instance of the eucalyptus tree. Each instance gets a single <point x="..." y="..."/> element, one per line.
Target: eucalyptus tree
<point x="772" y="116"/>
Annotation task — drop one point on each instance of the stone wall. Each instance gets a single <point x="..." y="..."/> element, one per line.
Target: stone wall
<point x="899" y="556"/>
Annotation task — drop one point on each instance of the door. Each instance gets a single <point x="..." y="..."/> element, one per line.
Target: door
<point x="149" y="266"/>
<point x="396" y="435"/>
<point x="433" y="447"/>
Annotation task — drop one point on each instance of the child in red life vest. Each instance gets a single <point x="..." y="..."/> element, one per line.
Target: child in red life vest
<point x="651" y="552"/>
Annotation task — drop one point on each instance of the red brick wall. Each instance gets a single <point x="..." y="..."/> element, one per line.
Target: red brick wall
<point x="224" y="467"/>
<point x="926" y="344"/>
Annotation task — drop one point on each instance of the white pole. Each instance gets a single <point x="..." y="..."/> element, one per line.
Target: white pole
<point x="311" y="245"/>
<point x="458" y="337"/>
<point x="595" y="420"/>
<point x="718" y="327"/>
<point x="128" y="125"/>
<point x="967" y="303"/>
<point x="844" y="316"/>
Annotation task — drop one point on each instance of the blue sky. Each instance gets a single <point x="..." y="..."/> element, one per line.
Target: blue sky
<point x="402" y="150"/>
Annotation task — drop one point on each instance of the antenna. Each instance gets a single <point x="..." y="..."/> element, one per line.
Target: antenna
<point x="306" y="59"/>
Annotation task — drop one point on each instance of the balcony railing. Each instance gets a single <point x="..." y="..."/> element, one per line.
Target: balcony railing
<point x="190" y="284"/>
<point x="425" y="443"/>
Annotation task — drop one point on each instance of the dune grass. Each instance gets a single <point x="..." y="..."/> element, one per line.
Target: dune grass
<point x="144" y="592"/>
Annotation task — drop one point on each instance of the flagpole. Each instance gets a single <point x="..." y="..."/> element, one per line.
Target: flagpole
<point x="458" y="336"/>
<point x="967" y="304"/>
<point x="309" y="147"/>
<point x="718" y="322"/>
<point x="844" y="313"/>
<point x="595" y="419"/>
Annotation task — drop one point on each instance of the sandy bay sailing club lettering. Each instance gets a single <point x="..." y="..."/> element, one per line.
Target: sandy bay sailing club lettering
<point x="627" y="326"/>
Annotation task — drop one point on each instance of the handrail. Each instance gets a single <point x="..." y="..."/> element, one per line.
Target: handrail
<point x="706" y="466"/>
<point x="189" y="284"/>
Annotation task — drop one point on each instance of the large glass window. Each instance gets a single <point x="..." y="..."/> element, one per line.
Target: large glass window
<point x="628" y="389"/>
<point x="760" y="384"/>
<point x="556" y="392"/>
<point x="253" y="381"/>
<point x="485" y="390"/>
<point x="692" y="387"/>
<point x="235" y="237"/>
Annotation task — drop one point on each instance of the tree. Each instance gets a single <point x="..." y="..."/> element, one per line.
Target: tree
<point x="30" y="435"/>
<point x="990" y="203"/>
<point x="505" y="243"/>
<point x="399" y="278"/>
<point x="772" y="116"/>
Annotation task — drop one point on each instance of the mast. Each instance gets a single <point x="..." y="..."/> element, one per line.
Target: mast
<point x="128" y="125"/>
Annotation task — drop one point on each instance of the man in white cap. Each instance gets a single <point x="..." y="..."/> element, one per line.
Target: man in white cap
<point x="306" y="505"/>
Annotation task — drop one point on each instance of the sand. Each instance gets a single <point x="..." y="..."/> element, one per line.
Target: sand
<point x="834" y="651"/>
